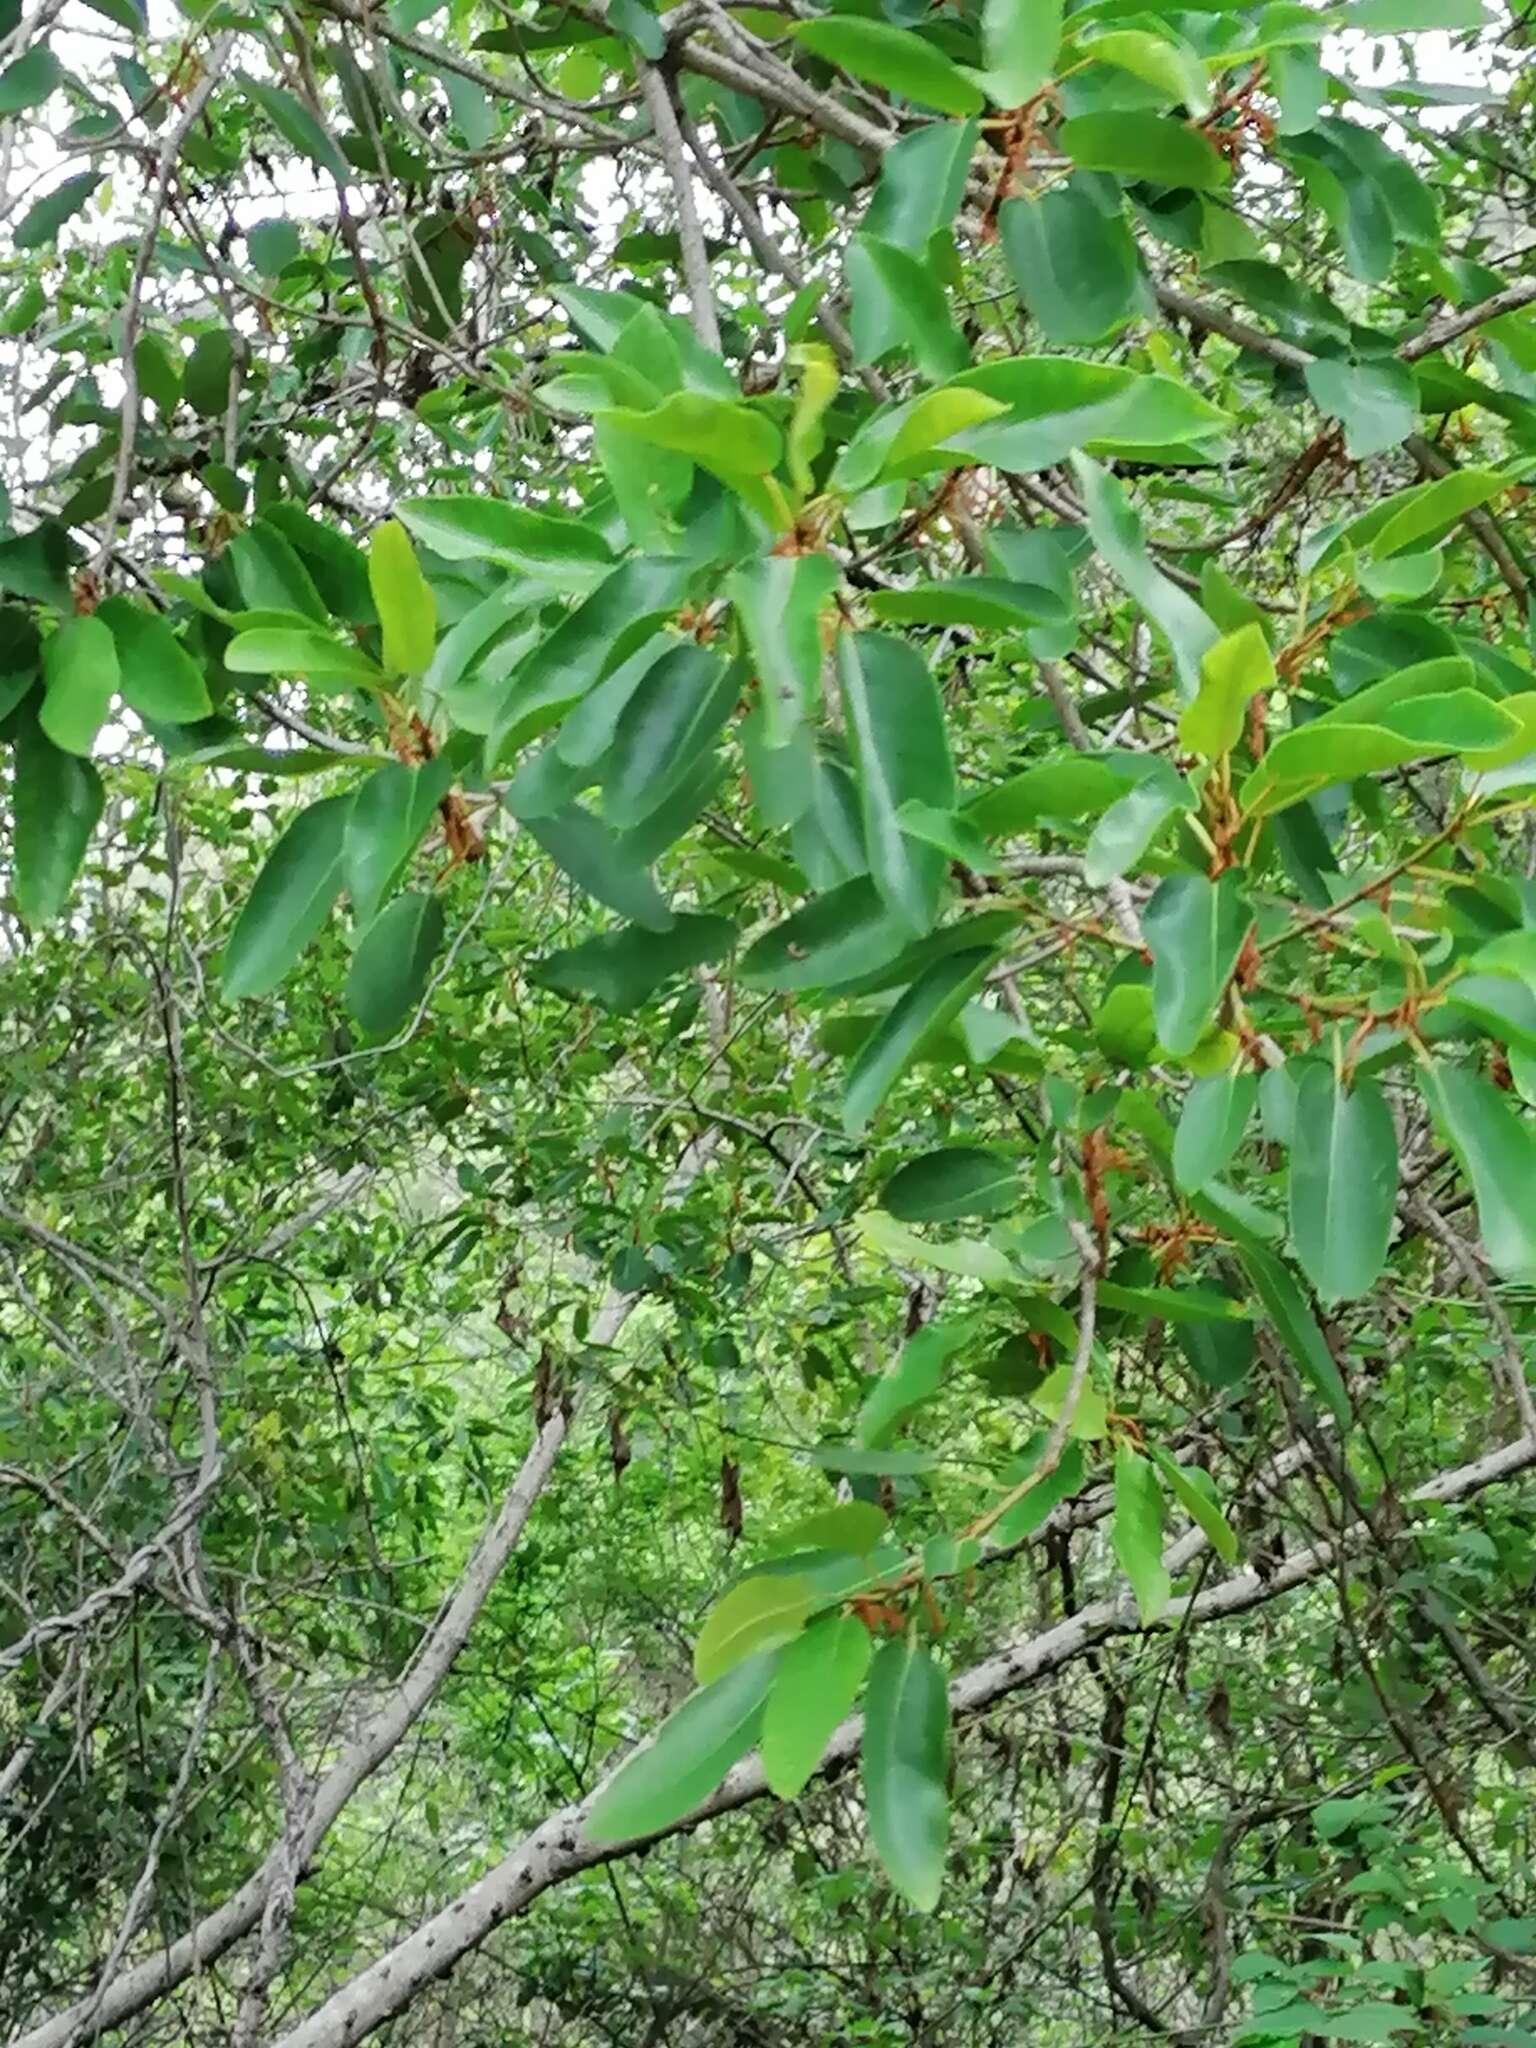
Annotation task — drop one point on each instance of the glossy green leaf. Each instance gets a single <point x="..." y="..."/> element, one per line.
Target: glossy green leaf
<point x="1505" y="1009"/>
<point x="756" y="1615"/>
<point x="30" y="80"/>
<point x="156" y="675"/>
<point x="403" y="599"/>
<point x="390" y="812"/>
<point x="1286" y="1310"/>
<point x="290" y="900"/>
<point x="1211" y="1126"/>
<point x="291" y="651"/>
<point x="586" y="850"/>
<point x="1343" y="1183"/>
<point x="1079" y="273"/>
<point x="271" y="575"/>
<point x="1194" y="1490"/>
<point x="1136" y="1531"/>
<point x="779" y="600"/>
<point x="915" y="1378"/>
<point x="80" y="668"/>
<point x="389" y="970"/>
<point x="905" y="1757"/>
<point x="1163" y="60"/>
<point x="623" y="969"/>
<point x="835" y="938"/>
<point x="1020" y="39"/>
<point x="687" y="1757"/>
<point x="971" y="601"/>
<point x="672" y="718"/>
<point x="856" y="1526"/>
<point x="42" y="220"/>
<point x="1142" y="146"/>
<point x="1496" y="1146"/>
<point x="899" y="302"/>
<point x="1195" y="930"/>
<point x="1117" y="536"/>
<point x="56" y="801"/>
<point x="1377" y="402"/>
<point x="900" y="748"/>
<point x="892" y="57"/>
<point x="932" y="1001"/>
<point x="481" y="529"/>
<point x="948" y="1186"/>
<point x="816" y="1684"/>
<point x="297" y="126"/>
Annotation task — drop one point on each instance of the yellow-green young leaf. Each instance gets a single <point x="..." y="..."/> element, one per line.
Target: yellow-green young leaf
<point x="905" y="1755"/>
<point x="818" y="387"/>
<point x="686" y="1758"/>
<point x="1343" y="1182"/>
<point x="726" y="437"/>
<point x="817" y="1681"/>
<point x="1090" y="1417"/>
<point x="81" y="672"/>
<point x="855" y="1526"/>
<point x="1195" y="1491"/>
<point x="1497" y="1149"/>
<point x="759" y="1614"/>
<point x="56" y="799"/>
<point x="390" y="968"/>
<point x="406" y="607"/>
<point x="291" y="899"/>
<point x="293" y="651"/>
<point x="1522" y="708"/>
<point x="1236" y="669"/>
<point x="931" y="420"/>
<point x="1136" y="1531"/>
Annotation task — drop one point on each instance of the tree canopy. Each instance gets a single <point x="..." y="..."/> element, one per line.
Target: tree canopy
<point x="768" y="1137"/>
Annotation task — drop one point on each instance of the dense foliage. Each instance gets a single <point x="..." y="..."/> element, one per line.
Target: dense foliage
<point x="768" y="1161"/>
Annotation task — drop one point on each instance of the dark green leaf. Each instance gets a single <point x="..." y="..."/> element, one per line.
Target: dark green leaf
<point x="1343" y="1183"/>
<point x="947" y="1186"/>
<point x="687" y="1757"/>
<point x="1195" y="929"/>
<point x="291" y="900"/>
<point x="817" y="1682"/>
<point x="390" y="968"/>
<point x="933" y="1001"/>
<point x="905" y="1756"/>
<point x="56" y="800"/>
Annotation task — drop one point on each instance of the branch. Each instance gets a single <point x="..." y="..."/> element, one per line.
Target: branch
<point x="557" y="1850"/>
<point x="657" y="89"/>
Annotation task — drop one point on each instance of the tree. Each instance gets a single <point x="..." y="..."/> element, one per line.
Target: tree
<point x="771" y="1023"/>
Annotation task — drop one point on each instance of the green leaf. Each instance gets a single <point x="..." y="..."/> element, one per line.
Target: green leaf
<point x="947" y="1186"/>
<point x="967" y="1256"/>
<point x="779" y="599"/>
<point x="893" y="57"/>
<point x="587" y="851"/>
<point x="1343" y="1183"/>
<point x="1505" y="1009"/>
<point x="30" y="80"/>
<point x="687" y="1757"/>
<point x="1020" y="39"/>
<point x="207" y="376"/>
<point x="900" y="748"/>
<point x="390" y="968"/>
<point x="623" y="969"/>
<point x="297" y="126"/>
<point x="479" y="529"/>
<point x="724" y="436"/>
<point x="899" y="301"/>
<point x="1164" y="61"/>
<point x="156" y="675"/>
<point x="855" y="1526"/>
<point x="835" y="938"/>
<point x="915" y="1378"/>
<point x="56" y="800"/>
<point x="1285" y="1308"/>
<point x="1195" y="1491"/>
<point x="271" y="575"/>
<point x="403" y="599"/>
<point x="1426" y="512"/>
<point x="672" y="718"/>
<point x="1195" y="929"/>
<point x="932" y="1001"/>
<point x="1211" y="1126"/>
<point x="591" y="642"/>
<point x="1116" y="532"/>
<point x="1142" y="146"/>
<point x="290" y="901"/>
<point x="1136" y="1531"/>
<point x="291" y="651"/>
<point x="921" y="185"/>
<point x="1064" y="787"/>
<point x="1120" y="838"/>
<point x="41" y="222"/>
<point x="1497" y="1150"/>
<point x="816" y="1684"/>
<point x="1079" y="273"/>
<point x="1170" y="1304"/>
<point x="759" y="1614"/>
<point x="971" y="601"/>
<point x="1378" y="403"/>
<point x="389" y="814"/>
<point x="81" y="671"/>
<point x="905" y="1757"/>
<point x="1232" y="672"/>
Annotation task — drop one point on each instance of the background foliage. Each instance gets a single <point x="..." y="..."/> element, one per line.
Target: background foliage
<point x="770" y="979"/>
